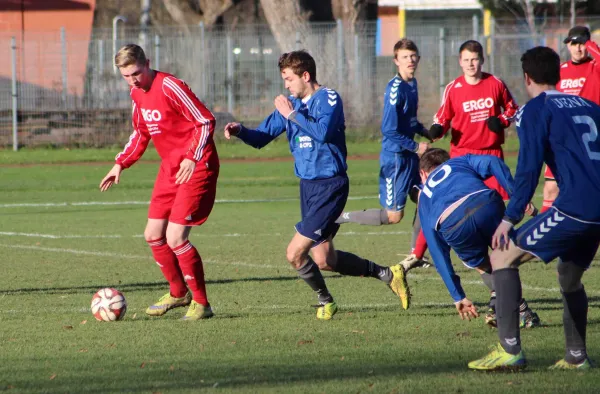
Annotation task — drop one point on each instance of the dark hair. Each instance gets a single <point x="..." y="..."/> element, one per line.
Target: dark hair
<point x="299" y="62"/>
<point x="405" y="43"/>
<point x="472" y="46"/>
<point x="542" y="65"/>
<point x="432" y="158"/>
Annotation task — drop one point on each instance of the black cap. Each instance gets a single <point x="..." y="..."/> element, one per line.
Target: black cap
<point x="576" y="32"/>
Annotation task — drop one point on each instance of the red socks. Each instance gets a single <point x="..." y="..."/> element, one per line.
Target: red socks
<point x="420" y="246"/>
<point x="193" y="271"/>
<point x="167" y="261"/>
<point x="546" y="205"/>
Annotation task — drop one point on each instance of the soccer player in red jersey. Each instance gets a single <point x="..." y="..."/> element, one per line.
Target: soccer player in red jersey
<point x="478" y="107"/>
<point x="166" y="111"/>
<point x="579" y="76"/>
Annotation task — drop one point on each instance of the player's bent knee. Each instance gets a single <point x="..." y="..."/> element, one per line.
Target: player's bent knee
<point x="569" y="276"/>
<point x="395" y="217"/>
<point x="152" y="235"/>
<point x="294" y="256"/>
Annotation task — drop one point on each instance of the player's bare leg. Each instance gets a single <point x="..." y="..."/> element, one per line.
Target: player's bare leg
<point x="191" y="266"/>
<point x="155" y="234"/>
<point x="550" y="194"/>
<point x="298" y="256"/>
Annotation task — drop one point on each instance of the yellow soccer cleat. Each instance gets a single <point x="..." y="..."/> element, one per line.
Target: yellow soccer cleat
<point x="399" y="285"/>
<point x="564" y="365"/>
<point x="326" y="312"/>
<point x="197" y="311"/>
<point x="168" y="302"/>
<point x="499" y="360"/>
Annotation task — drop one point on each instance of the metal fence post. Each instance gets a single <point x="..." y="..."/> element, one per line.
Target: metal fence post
<point x="442" y="56"/>
<point x="100" y="56"/>
<point x="156" y="51"/>
<point x="229" y="74"/>
<point x="340" y="54"/>
<point x="115" y="21"/>
<point x="356" y="59"/>
<point x="15" y="125"/>
<point x="475" y="22"/>
<point x="203" y="59"/>
<point x="63" y="45"/>
<point x="492" y="45"/>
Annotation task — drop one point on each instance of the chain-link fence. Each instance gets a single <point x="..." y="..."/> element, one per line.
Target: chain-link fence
<point x="61" y="87"/>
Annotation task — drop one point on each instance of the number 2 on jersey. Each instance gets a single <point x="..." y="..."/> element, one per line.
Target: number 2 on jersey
<point x="433" y="182"/>
<point x="590" y="137"/>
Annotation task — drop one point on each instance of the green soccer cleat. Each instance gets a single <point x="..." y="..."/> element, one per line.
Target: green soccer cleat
<point x="399" y="285"/>
<point x="197" y="311"/>
<point x="326" y="311"/>
<point x="499" y="360"/>
<point x="167" y="302"/>
<point x="564" y="365"/>
<point x="529" y="319"/>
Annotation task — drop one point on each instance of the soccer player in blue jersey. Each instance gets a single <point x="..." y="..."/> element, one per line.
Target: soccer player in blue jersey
<point x="561" y="130"/>
<point x="399" y="160"/>
<point x="313" y="119"/>
<point x="459" y="211"/>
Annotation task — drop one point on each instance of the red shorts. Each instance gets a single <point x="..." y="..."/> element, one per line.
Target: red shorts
<point x="188" y="204"/>
<point x="548" y="174"/>
<point x="491" y="182"/>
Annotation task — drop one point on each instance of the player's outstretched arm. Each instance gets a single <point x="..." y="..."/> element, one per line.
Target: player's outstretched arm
<point x="111" y="178"/>
<point x="270" y="128"/>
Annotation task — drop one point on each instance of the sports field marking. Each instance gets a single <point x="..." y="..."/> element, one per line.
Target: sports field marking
<point x="109" y="203"/>
<point x="195" y="235"/>
<point x="243" y="264"/>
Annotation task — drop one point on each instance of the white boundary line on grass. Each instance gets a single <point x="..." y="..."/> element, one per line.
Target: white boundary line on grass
<point x="263" y="266"/>
<point x="200" y="235"/>
<point x="109" y="203"/>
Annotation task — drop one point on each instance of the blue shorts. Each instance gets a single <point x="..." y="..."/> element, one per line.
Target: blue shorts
<point x="322" y="201"/>
<point x="553" y="234"/>
<point x="469" y="229"/>
<point x="398" y="174"/>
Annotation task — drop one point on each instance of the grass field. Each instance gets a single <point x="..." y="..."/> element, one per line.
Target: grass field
<point x="62" y="240"/>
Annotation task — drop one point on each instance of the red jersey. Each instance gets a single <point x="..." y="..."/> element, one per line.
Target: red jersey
<point x="591" y="88"/>
<point x="179" y="125"/>
<point x="467" y="107"/>
<point x="572" y="76"/>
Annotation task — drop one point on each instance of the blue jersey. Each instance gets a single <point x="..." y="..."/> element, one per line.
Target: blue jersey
<point x="399" y="123"/>
<point x="315" y="131"/>
<point x="457" y="179"/>
<point x="561" y="130"/>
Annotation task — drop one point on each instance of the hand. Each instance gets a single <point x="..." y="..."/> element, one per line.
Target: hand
<point x="436" y="131"/>
<point x="500" y="238"/>
<point x="466" y="309"/>
<point x="494" y="124"/>
<point x="112" y="177"/>
<point x="283" y="105"/>
<point x="232" y="129"/>
<point x="423" y="146"/>
<point x="186" y="170"/>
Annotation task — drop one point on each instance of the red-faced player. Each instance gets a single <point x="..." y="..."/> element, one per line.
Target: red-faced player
<point x="181" y="127"/>
<point x="579" y="76"/>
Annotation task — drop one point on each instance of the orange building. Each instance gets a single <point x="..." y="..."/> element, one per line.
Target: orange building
<point x="36" y="25"/>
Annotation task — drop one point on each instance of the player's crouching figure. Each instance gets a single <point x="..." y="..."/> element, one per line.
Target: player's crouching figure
<point x="313" y="119"/>
<point x="181" y="127"/>
<point x="460" y="212"/>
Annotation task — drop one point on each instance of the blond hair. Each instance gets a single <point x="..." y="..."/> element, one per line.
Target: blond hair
<point x="130" y="54"/>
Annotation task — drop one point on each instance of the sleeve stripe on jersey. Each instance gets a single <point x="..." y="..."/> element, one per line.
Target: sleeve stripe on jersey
<point x="195" y="112"/>
<point x="132" y="136"/>
<point x="444" y="101"/>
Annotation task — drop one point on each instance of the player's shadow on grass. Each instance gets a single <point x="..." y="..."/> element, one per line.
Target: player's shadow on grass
<point x="142" y="286"/>
<point x="556" y="303"/>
